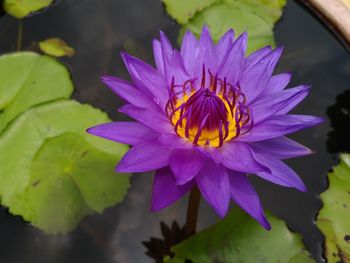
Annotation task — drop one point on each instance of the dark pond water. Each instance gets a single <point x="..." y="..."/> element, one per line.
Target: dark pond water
<point x="99" y="30"/>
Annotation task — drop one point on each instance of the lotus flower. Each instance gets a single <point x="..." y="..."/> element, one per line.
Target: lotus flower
<point x="206" y="117"/>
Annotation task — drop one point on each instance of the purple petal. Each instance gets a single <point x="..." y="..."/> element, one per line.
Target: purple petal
<point x="165" y="191"/>
<point x="256" y="78"/>
<point x="144" y="157"/>
<point x="188" y="51"/>
<point x="174" y="141"/>
<point x="185" y="165"/>
<point x="207" y="50"/>
<point x="279" y="125"/>
<point x="282" y="148"/>
<point x="123" y="132"/>
<point x="213" y="182"/>
<point x="129" y="93"/>
<point x="224" y="45"/>
<point x="278" y="103"/>
<point x="238" y="157"/>
<point x="233" y="64"/>
<point x="255" y="57"/>
<point x="280" y="173"/>
<point x="245" y="196"/>
<point x="151" y="119"/>
<point x="158" y="56"/>
<point x="147" y="78"/>
<point x="173" y="62"/>
<point x="277" y="83"/>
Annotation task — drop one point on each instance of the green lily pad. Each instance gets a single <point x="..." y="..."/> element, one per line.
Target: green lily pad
<point x="333" y="218"/>
<point x="52" y="172"/>
<point x="260" y="32"/>
<point x="56" y="47"/>
<point x="22" y="8"/>
<point x="238" y="238"/>
<point x="257" y="17"/>
<point x="183" y="10"/>
<point x="28" y="79"/>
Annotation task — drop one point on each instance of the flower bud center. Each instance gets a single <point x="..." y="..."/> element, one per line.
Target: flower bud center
<point x="209" y="115"/>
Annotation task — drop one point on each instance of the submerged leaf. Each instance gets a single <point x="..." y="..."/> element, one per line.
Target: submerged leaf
<point x="28" y="79"/>
<point x="21" y="8"/>
<point x="52" y="172"/>
<point x="56" y="47"/>
<point x="238" y="238"/>
<point x="158" y="248"/>
<point x="333" y="218"/>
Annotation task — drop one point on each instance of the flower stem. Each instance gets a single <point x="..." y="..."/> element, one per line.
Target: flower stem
<point x="20" y="35"/>
<point x="192" y="212"/>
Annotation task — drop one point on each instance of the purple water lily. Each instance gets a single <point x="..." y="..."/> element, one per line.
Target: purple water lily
<point x="207" y="116"/>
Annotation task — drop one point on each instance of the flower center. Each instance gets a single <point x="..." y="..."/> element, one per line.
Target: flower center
<point x="211" y="114"/>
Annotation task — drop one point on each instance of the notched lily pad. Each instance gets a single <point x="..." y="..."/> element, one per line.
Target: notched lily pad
<point x="53" y="173"/>
<point x="28" y="79"/>
<point x="260" y="32"/>
<point x="183" y="10"/>
<point x="56" y="47"/>
<point x="333" y="218"/>
<point x="238" y="238"/>
<point x="257" y="17"/>
<point x="22" y="8"/>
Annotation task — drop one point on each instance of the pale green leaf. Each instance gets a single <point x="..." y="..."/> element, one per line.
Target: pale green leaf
<point x="238" y="238"/>
<point x="333" y="218"/>
<point x="56" y="47"/>
<point x="21" y="8"/>
<point x="52" y="172"/>
<point x="28" y="79"/>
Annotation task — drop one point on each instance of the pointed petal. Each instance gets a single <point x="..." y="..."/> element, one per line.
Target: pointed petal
<point x="158" y="56"/>
<point x="213" y="182"/>
<point x="280" y="173"/>
<point x="144" y="157"/>
<point x="123" y="132"/>
<point x="165" y="191"/>
<point x="255" y="79"/>
<point x="255" y="57"/>
<point x="129" y="93"/>
<point x="147" y="78"/>
<point x="151" y="119"/>
<point x="277" y="83"/>
<point x="238" y="157"/>
<point x="173" y="62"/>
<point x="224" y="45"/>
<point x="280" y="102"/>
<point x="207" y="50"/>
<point x="188" y="51"/>
<point x="279" y="125"/>
<point x="232" y="66"/>
<point x="245" y="196"/>
<point x="185" y="165"/>
<point x="282" y="148"/>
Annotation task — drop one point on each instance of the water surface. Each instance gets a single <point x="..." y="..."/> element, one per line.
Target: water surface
<point x="99" y="30"/>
